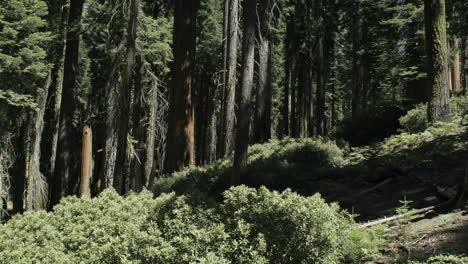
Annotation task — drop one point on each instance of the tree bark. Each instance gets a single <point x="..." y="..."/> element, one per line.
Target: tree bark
<point x="55" y="96"/>
<point x="65" y="168"/>
<point x="36" y="190"/>
<point x="116" y="165"/>
<point x="245" y="93"/>
<point x="456" y="73"/>
<point x="181" y="140"/>
<point x="262" y="125"/>
<point x="86" y="162"/>
<point x="356" y="91"/>
<point x="150" y="136"/>
<point x="227" y="136"/>
<point x="437" y="61"/>
<point x="465" y="63"/>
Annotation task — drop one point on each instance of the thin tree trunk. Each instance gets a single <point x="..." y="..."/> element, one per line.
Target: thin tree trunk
<point x="286" y="100"/>
<point x="138" y="117"/>
<point x="245" y="93"/>
<point x="65" y="167"/>
<point x="356" y="91"/>
<point x="151" y="136"/>
<point x="227" y="135"/>
<point x="437" y="60"/>
<point x="86" y="162"/>
<point x="181" y="140"/>
<point x="456" y="83"/>
<point x="36" y="190"/>
<point x="465" y="63"/>
<point x="122" y="183"/>
<point x="321" y="82"/>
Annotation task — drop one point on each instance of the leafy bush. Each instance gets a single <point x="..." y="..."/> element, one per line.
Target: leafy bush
<point x="273" y="164"/>
<point x="250" y="226"/>
<point x="449" y="259"/>
<point x="298" y="229"/>
<point x="415" y="120"/>
<point x="409" y="141"/>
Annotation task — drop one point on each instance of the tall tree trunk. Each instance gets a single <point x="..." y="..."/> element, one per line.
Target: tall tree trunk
<point x="456" y="79"/>
<point x="181" y="139"/>
<point x="123" y="180"/>
<point x="86" y="162"/>
<point x="321" y="82"/>
<point x="262" y="125"/>
<point x="437" y="60"/>
<point x="55" y="96"/>
<point x="227" y="133"/>
<point x="245" y="92"/>
<point x="286" y="100"/>
<point x="18" y="182"/>
<point x="36" y="190"/>
<point x="151" y="135"/>
<point x="116" y="165"/>
<point x="465" y="63"/>
<point x="138" y="132"/>
<point x="65" y="167"/>
<point x="356" y="44"/>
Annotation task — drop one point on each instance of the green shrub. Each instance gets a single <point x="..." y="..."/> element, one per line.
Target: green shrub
<point x="250" y="226"/>
<point x="273" y="164"/>
<point x="415" y="120"/>
<point x="405" y="140"/>
<point x="449" y="259"/>
<point x="298" y="229"/>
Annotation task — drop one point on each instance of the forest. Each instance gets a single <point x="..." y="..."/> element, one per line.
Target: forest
<point x="234" y="131"/>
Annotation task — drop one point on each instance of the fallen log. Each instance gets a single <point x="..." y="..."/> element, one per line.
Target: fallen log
<point x="414" y="214"/>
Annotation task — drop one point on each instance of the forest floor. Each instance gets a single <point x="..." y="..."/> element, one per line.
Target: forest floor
<point x="374" y="183"/>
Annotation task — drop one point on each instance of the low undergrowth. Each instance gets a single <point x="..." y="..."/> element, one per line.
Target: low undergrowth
<point x="274" y="164"/>
<point x="443" y="259"/>
<point x="249" y="226"/>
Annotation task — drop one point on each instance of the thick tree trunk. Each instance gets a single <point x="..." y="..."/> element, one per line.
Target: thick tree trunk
<point x="86" y="162"/>
<point x="262" y="125"/>
<point x="36" y="190"/>
<point x="55" y="96"/>
<point x="65" y="174"/>
<point x="228" y="122"/>
<point x="245" y="93"/>
<point x="181" y="145"/>
<point x="437" y="60"/>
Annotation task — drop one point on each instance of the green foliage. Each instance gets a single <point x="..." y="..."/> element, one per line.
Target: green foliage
<point x="448" y="259"/>
<point x="250" y="226"/>
<point x="274" y="164"/>
<point x="23" y="42"/>
<point x="411" y="141"/>
<point x="415" y="120"/>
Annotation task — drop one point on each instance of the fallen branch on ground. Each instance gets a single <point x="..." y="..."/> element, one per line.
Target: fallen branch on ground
<point x="416" y="213"/>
